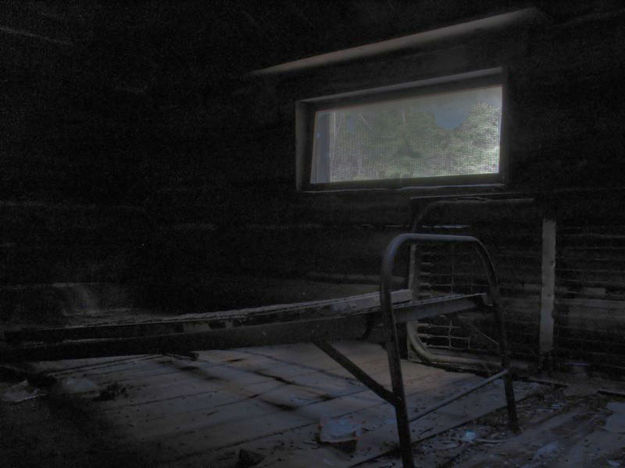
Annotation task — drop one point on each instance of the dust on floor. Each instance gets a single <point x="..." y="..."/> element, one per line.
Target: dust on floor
<point x="559" y="428"/>
<point x="270" y="407"/>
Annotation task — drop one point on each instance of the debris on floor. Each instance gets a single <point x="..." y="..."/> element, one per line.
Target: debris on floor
<point x="20" y="392"/>
<point x="616" y="422"/>
<point x="290" y="406"/>
<point x="469" y="436"/>
<point x="112" y="392"/>
<point x="557" y="431"/>
<point x="342" y="432"/>
<point x="249" y="458"/>
<point x="74" y="386"/>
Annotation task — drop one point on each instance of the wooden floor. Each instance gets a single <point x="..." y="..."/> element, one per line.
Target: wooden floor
<point x="269" y="400"/>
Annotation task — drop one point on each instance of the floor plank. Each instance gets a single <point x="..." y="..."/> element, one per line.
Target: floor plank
<point x="199" y="412"/>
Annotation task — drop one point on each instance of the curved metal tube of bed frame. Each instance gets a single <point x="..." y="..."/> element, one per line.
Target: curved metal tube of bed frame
<point x="388" y="263"/>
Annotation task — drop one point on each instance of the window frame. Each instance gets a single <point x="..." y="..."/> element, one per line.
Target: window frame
<point x="306" y="109"/>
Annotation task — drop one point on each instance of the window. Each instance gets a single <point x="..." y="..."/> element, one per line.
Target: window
<point x="443" y="131"/>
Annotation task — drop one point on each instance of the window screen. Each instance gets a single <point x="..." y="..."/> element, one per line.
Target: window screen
<point x="452" y="133"/>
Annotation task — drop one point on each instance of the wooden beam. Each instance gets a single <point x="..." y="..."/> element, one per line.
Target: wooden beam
<point x="189" y="323"/>
<point x="342" y="320"/>
<point x="419" y="41"/>
<point x="547" y="297"/>
<point x="299" y="331"/>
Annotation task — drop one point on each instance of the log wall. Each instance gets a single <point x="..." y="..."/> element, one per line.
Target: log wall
<point x="218" y="221"/>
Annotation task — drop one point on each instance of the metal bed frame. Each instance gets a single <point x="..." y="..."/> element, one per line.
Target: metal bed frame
<point x="398" y="399"/>
<point x="320" y="322"/>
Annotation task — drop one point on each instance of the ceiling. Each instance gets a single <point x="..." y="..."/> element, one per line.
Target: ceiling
<point x="177" y="47"/>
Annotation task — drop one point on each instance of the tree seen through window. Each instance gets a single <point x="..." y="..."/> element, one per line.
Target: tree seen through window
<point x="444" y="134"/>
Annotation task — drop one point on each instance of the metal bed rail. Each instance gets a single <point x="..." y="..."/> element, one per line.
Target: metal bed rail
<point x="398" y="399"/>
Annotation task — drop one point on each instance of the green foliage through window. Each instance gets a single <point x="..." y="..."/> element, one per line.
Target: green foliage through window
<point x="433" y="135"/>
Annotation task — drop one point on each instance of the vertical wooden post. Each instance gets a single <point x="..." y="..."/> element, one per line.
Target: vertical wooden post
<point x="547" y="298"/>
<point x="414" y="271"/>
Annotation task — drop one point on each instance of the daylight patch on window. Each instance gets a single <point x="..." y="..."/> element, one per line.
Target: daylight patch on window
<point x="444" y="134"/>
